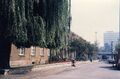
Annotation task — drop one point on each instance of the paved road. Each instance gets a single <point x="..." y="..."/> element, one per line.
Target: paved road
<point x="83" y="70"/>
<point x="94" y="70"/>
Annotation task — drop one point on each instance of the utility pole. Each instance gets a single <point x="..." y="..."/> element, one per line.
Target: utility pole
<point x="95" y="38"/>
<point x="119" y="20"/>
<point x="96" y="44"/>
<point x="112" y="50"/>
<point x="118" y="55"/>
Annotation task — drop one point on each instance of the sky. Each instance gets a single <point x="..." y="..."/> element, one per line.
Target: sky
<point x="90" y="16"/>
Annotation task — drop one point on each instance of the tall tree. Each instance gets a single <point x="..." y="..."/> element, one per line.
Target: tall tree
<point x="26" y="23"/>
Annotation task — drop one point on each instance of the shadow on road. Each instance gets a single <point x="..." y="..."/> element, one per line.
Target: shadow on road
<point x="110" y="68"/>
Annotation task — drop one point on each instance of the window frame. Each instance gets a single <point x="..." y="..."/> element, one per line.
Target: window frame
<point x="21" y="51"/>
<point x="42" y="52"/>
<point x="33" y="50"/>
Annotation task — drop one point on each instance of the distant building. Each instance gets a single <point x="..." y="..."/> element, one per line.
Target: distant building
<point x="110" y="40"/>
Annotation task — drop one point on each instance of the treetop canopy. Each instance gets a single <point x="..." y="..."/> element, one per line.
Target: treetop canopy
<point x="41" y="23"/>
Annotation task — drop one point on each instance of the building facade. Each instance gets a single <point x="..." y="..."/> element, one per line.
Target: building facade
<point x="28" y="56"/>
<point x="110" y="40"/>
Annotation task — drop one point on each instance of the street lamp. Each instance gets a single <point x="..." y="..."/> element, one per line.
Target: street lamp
<point x="96" y="45"/>
<point x="95" y="38"/>
<point x="112" y="50"/>
<point x="119" y="20"/>
<point x="112" y="53"/>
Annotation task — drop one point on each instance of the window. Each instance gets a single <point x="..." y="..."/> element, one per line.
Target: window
<point x="33" y="50"/>
<point x="48" y="52"/>
<point x="21" y="51"/>
<point x="42" y="51"/>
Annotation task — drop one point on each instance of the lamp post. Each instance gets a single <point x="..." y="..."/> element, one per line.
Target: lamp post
<point x="118" y="55"/>
<point x="112" y="50"/>
<point x="96" y="45"/>
<point x="119" y="20"/>
<point x="95" y="38"/>
<point x="112" y="53"/>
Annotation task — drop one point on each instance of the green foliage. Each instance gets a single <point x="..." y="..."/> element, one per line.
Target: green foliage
<point x="83" y="48"/>
<point x="57" y="22"/>
<point x="41" y="23"/>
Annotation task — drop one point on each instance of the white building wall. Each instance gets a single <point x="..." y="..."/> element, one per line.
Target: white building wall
<point x="111" y="36"/>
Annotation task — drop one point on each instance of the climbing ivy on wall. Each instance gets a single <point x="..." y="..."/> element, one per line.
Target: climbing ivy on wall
<point x="57" y="22"/>
<point x="41" y="23"/>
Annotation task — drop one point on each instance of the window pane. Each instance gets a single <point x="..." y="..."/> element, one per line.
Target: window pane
<point x="33" y="50"/>
<point x="22" y="51"/>
<point x="42" y="51"/>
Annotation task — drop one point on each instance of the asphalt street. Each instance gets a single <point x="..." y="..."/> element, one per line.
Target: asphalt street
<point x="94" y="70"/>
<point x="83" y="70"/>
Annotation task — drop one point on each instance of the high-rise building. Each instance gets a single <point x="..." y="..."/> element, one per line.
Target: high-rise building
<point x="110" y="40"/>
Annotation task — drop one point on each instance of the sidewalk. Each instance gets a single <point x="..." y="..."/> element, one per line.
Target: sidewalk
<point x="46" y="70"/>
<point x="57" y="65"/>
<point x="50" y="66"/>
<point x="55" y="68"/>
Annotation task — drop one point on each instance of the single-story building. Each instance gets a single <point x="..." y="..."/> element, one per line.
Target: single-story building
<point x="28" y="56"/>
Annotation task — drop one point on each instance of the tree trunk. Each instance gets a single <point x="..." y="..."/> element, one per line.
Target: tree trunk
<point x="5" y="49"/>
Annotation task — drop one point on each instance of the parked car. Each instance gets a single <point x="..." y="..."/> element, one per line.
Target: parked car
<point x="111" y="61"/>
<point x="104" y="57"/>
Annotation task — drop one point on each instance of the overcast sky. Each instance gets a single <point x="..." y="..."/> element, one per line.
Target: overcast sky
<point x="90" y="16"/>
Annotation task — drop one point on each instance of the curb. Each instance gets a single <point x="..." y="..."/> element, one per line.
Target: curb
<point x="50" y="66"/>
<point x="56" y="65"/>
